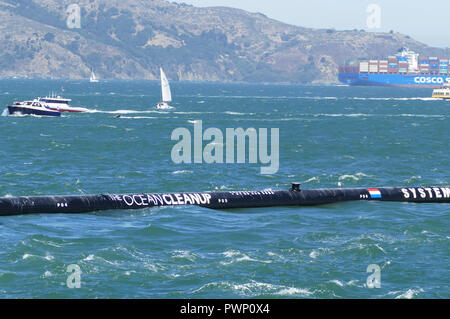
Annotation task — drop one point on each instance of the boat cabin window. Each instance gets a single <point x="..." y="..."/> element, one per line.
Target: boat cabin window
<point x="54" y="101"/>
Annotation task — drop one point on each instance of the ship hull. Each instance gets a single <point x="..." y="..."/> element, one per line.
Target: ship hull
<point x="399" y="80"/>
<point x="16" y="110"/>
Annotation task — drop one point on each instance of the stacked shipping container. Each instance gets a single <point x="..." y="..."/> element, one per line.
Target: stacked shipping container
<point x="383" y="66"/>
<point x="393" y="64"/>
<point x="363" y="67"/>
<point x="373" y="66"/>
<point x="434" y="65"/>
<point x="443" y="66"/>
<point x="399" y="64"/>
<point x="424" y="65"/>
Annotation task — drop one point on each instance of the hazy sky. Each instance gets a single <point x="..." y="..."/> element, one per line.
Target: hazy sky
<point x="426" y="21"/>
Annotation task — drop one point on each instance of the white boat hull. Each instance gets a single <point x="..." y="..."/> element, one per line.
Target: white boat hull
<point x="163" y="106"/>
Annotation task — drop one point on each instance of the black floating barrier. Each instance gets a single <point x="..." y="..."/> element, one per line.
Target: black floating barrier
<point x="219" y="200"/>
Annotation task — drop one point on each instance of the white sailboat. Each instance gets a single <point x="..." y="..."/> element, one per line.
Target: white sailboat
<point x="165" y="92"/>
<point x="93" y="78"/>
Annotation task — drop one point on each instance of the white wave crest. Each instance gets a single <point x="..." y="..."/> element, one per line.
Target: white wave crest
<point x="182" y="172"/>
<point x="355" y="177"/>
<point x="255" y="288"/>
<point x="410" y="293"/>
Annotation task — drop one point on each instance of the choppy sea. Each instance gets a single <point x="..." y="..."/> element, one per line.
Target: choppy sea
<point x="330" y="136"/>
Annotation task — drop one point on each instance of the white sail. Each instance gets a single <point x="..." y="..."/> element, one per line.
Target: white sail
<point x="93" y="77"/>
<point x="165" y="88"/>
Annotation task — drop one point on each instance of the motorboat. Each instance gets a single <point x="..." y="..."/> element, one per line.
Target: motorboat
<point x="34" y="107"/>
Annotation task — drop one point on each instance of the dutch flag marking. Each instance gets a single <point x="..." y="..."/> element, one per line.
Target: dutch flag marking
<point x="374" y="192"/>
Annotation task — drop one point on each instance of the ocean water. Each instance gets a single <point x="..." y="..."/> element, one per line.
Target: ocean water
<point x="329" y="136"/>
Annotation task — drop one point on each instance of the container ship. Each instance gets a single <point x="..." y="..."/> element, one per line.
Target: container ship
<point x="406" y="69"/>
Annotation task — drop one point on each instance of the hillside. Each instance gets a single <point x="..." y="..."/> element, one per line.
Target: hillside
<point x="131" y="39"/>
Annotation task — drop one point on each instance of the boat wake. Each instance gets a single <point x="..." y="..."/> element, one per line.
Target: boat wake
<point x="5" y="112"/>
<point x="154" y="111"/>
<point x="375" y="115"/>
<point x="125" y="111"/>
<point x="27" y="115"/>
<point x="168" y="107"/>
<point x="137" y="117"/>
<point x="395" y="98"/>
